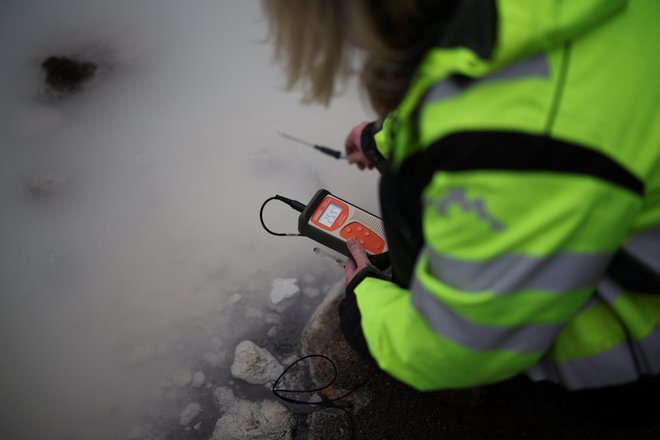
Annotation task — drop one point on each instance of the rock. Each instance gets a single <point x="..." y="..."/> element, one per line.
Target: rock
<point x="189" y="413"/>
<point x="182" y="377"/>
<point x="47" y="185"/>
<point x="283" y="288"/>
<point x="322" y="334"/>
<point x="214" y="359"/>
<point x="329" y="424"/>
<point x="272" y="332"/>
<point x="254" y="364"/>
<point x="311" y="292"/>
<point x="379" y="404"/>
<point x="225" y="398"/>
<point x="66" y="75"/>
<point x="266" y="420"/>
<point x="253" y="313"/>
<point x="273" y="319"/>
<point x="235" y="298"/>
<point x="297" y="378"/>
<point x="309" y="278"/>
<point x="198" y="426"/>
<point x="198" y="379"/>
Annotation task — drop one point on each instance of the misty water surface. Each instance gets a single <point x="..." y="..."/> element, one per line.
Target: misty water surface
<point x="160" y="165"/>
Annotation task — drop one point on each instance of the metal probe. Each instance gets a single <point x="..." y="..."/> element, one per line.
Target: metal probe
<point x="325" y="150"/>
<point x="335" y="259"/>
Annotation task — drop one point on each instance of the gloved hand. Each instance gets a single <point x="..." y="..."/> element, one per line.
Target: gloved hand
<point x="353" y="146"/>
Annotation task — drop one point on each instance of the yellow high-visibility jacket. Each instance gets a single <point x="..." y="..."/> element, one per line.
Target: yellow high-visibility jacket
<point x="521" y="202"/>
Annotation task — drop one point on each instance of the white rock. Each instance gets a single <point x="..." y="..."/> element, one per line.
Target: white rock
<point x="253" y="313"/>
<point x="291" y="359"/>
<point x="266" y="420"/>
<point x="225" y="398"/>
<point x="283" y="288"/>
<point x="214" y="359"/>
<point x="198" y="426"/>
<point x="235" y="298"/>
<point x="189" y="413"/>
<point x="272" y="332"/>
<point x="254" y="364"/>
<point x="182" y="377"/>
<point x="311" y="292"/>
<point x="273" y="318"/>
<point x="198" y="379"/>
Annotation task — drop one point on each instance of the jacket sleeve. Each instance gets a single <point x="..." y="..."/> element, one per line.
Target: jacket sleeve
<point x="509" y="257"/>
<point x="375" y="142"/>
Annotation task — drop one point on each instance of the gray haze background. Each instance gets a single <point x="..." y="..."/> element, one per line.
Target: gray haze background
<point x="164" y="162"/>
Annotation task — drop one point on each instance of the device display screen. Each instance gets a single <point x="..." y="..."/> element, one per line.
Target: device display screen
<point x="330" y="214"/>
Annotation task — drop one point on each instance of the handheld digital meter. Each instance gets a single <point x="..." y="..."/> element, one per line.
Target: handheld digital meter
<point x="333" y="221"/>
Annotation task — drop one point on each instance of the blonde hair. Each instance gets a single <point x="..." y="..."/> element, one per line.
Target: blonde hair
<point x="316" y="42"/>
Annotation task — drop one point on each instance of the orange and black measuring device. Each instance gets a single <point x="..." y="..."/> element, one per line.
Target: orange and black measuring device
<point x="332" y="221"/>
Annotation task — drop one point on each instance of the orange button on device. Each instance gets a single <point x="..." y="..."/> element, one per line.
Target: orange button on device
<point x="370" y="240"/>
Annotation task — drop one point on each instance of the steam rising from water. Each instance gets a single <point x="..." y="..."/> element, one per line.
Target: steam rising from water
<point x="160" y="165"/>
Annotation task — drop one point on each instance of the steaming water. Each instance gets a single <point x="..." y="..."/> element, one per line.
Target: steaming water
<point x="122" y="277"/>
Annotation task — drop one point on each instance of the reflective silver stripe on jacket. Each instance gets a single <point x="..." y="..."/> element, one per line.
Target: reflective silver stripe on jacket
<point x="622" y="364"/>
<point x="616" y="366"/>
<point x="645" y="247"/>
<point x="608" y="291"/>
<point x="448" y="88"/>
<point x="450" y="325"/>
<point x="562" y="272"/>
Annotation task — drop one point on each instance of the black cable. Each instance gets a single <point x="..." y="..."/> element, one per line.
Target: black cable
<point x="277" y="392"/>
<point x="328" y="403"/>
<point x="314" y="390"/>
<point x="292" y="203"/>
